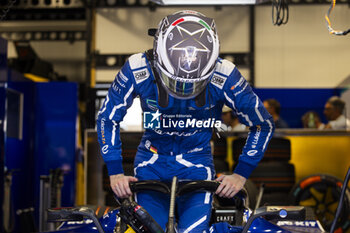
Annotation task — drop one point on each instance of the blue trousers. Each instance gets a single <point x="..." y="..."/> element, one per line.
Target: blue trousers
<point x="193" y="209"/>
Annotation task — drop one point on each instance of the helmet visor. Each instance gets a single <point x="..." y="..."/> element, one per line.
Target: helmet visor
<point x="180" y="87"/>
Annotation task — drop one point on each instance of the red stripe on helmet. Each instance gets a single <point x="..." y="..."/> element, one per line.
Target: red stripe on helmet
<point x="178" y="21"/>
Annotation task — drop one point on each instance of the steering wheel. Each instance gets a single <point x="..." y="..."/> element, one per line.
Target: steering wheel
<point x="141" y="221"/>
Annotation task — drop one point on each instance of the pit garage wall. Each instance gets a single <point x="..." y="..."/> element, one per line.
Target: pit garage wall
<point x="55" y="133"/>
<point x="300" y="54"/>
<point x="296" y="102"/>
<point x="2" y="150"/>
<point x="48" y="141"/>
<point x="125" y="31"/>
<point x="3" y="74"/>
<point x="67" y="57"/>
<point x="317" y="153"/>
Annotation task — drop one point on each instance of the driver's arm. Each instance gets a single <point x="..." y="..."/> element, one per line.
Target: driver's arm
<point x="239" y="96"/>
<point x="119" y="98"/>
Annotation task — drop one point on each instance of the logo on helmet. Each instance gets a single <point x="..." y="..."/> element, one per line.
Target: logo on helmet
<point x="189" y="50"/>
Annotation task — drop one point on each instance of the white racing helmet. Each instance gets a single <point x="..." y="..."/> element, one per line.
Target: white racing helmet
<point x="186" y="47"/>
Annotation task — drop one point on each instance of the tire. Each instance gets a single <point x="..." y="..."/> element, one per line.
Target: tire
<point x="278" y="150"/>
<point x="128" y="168"/>
<point x="276" y="176"/>
<point x="220" y="165"/>
<point x="220" y="154"/>
<point x="322" y="193"/>
<point x="274" y="198"/>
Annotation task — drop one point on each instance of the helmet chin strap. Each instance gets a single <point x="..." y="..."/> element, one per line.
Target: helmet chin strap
<point x="200" y="99"/>
<point x="163" y="95"/>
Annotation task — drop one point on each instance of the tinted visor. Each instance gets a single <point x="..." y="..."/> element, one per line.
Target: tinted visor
<point x="183" y="88"/>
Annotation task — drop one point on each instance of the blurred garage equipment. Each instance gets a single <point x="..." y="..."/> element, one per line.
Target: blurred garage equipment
<point x="50" y="196"/>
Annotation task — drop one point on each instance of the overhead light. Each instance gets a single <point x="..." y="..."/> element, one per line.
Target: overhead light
<point x="208" y="2"/>
<point x="111" y="2"/>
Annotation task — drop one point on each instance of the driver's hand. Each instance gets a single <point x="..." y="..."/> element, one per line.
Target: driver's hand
<point x="120" y="185"/>
<point x="230" y="185"/>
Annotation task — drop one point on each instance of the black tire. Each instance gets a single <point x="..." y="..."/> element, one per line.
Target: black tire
<point x="279" y="149"/>
<point x="220" y="165"/>
<point x="322" y="193"/>
<point x="128" y="168"/>
<point x="274" y="198"/>
<point x="220" y="155"/>
<point x="276" y="176"/>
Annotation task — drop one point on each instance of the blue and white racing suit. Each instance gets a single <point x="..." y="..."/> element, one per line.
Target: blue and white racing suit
<point x="184" y="151"/>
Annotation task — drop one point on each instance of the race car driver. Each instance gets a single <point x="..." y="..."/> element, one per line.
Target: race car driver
<point x="182" y="85"/>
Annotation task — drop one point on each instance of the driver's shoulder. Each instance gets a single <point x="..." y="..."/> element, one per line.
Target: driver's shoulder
<point x="139" y="68"/>
<point x="227" y="77"/>
<point x="224" y="67"/>
<point x="137" y="61"/>
<point x="225" y="74"/>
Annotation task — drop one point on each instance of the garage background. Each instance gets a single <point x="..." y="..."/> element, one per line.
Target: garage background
<point x="58" y="59"/>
